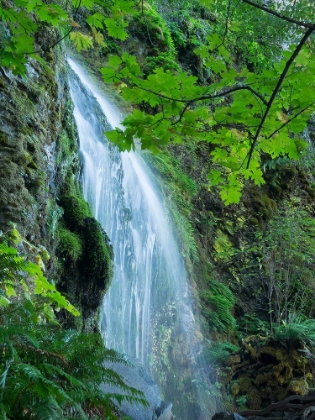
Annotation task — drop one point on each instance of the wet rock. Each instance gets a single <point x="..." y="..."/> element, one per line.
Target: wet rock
<point x="135" y="375"/>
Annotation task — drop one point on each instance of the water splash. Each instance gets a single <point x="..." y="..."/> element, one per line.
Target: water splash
<point x="148" y="311"/>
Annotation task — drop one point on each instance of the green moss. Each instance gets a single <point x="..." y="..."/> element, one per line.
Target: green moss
<point x="54" y="212"/>
<point x="223" y="247"/>
<point x="244" y="384"/>
<point x="152" y="25"/>
<point x="70" y="244"/>
<point x="151" y="28"/>
<point x="76" y="209"/>
<point x="264" y="204"/>
<point x="65" y="147"/>
<point x="85" y="252"/>
<point x="96" y="263"/>
<point x="299" y="386"/>
<point x="254" y="399"/>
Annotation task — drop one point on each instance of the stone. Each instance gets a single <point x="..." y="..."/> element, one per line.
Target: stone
<point x="135" y="375"/>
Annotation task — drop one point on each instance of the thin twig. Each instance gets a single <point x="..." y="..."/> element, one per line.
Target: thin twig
<point x="205" y="97"/>
<point x="291" y="119"/>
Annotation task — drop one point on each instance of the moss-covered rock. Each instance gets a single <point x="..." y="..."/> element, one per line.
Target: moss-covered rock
<point x="95" y="263"/>
<point x="267" y="372"/>
<point x="70" y="244"/>
<point x="85" y="255"/>
<point x="76" y="209"/>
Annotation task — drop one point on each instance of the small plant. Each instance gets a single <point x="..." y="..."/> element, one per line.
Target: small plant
<point x="297" y="331"/>
<point x="287" y="257"/>
<point x="250" y="324"/>
<point x="217" y="303"/>
<point x="220" y="351"/>
<point x="241" y="402"/>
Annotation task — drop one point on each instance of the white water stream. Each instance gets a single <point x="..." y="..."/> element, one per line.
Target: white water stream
<point x="148" y="310"/>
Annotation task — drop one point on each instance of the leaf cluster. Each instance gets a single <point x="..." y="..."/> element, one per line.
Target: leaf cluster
<point x="220" y="351"/>
<point x="21" y="21"/>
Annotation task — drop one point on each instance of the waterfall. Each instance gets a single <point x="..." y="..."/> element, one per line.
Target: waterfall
<point x="148" y="311"/>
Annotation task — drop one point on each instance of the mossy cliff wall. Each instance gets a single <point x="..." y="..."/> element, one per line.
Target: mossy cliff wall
<point x="39" y="183"/>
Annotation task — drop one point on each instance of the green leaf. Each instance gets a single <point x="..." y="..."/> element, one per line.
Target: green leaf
<point x="215" y="177"/>
<point x="116" y="28"/>
<point x="51" y="13"/>
<point x="81" y="41"/>
<point x="231" y="194"/>
<point x="96" y="20"/>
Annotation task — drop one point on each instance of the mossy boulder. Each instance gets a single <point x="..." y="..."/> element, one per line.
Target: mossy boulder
<point x="76" y="209"/>
<point x="95" y="263"/>
<point x="85" y="255"/>
<point x="70" y="244"/>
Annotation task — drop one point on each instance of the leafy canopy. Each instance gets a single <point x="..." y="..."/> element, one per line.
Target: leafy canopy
<point x="257" y="99"/>
<point x="244" y="113"/>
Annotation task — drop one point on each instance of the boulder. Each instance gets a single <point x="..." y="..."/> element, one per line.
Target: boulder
<point x="135" y="375"/>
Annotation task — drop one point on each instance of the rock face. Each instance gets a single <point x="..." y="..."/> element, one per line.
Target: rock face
<point x="39" y="185"/>
<point x="135" y="375"/>
<point x="266" y="372"/>
<point x="30" y="113"/>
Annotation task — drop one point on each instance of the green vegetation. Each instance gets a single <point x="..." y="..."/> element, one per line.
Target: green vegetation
<point x="150" y="27"/>
<point x="287" y="256"/>
<point x="297" y="331"/>
<point x="85" y="254"/>
<point x="218" y="301"/>
<point x="244" y="114"/>
<point x="76" y="209"/>
<point x="219" y="352"/>
<point x="97" y="256"/>
<point x="46" y="371"/>
<point x="70" y="244"/>
<point x="225" y="107"/>
<point x="259" y="106"/>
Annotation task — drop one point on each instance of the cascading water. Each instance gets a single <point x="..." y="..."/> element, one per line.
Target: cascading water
<point x="147" y="312"/>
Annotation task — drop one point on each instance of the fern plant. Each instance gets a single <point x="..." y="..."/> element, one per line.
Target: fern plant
<point x="217" y="302"/>
<point x="219" y="352"/>
<point x="296" y="331"/>
<point x="47" y="372"/>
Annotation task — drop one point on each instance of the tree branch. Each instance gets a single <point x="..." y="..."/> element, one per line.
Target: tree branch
<point x="188" y="102"/>
<point x="291" y="119"/>
<point x="295" y="53"/>
<point x="205" y="97"/>
<point x="279" y="15"/>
